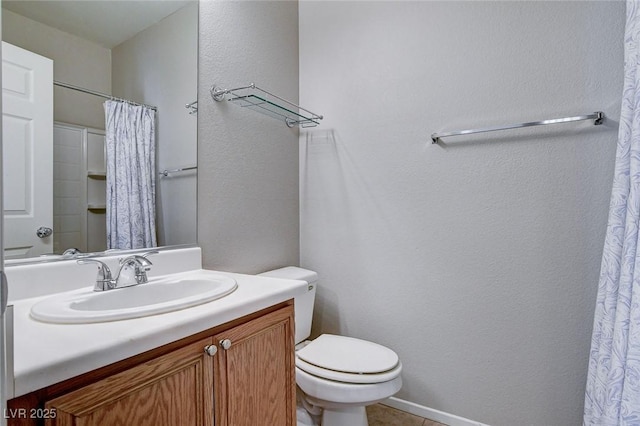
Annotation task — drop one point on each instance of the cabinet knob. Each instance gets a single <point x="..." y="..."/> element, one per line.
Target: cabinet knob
<point x="211" y="350"/>
<point x="225" y="344"/>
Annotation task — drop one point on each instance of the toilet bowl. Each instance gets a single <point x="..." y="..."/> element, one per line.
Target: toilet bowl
<point x="338" y="376"/>
<point x="342" y="375"/>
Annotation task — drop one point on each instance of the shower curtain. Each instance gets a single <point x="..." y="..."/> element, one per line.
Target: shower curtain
<point x="612" y="394"/>
<point x="131" y="186"/>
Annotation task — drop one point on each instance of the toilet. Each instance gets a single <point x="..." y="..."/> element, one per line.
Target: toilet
<point x="337" y="376"/>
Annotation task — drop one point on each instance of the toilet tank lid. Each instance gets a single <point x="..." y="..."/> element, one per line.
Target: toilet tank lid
<point x="292" y="273"/>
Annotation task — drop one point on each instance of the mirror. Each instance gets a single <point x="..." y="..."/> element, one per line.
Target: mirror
<point x="141" y="51"/>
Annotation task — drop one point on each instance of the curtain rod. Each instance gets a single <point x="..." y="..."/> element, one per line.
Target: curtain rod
<point x="102" y="95"/>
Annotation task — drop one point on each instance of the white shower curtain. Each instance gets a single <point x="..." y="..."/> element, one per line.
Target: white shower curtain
<point x="131" y="186"/>
<point x="612" y="394"/>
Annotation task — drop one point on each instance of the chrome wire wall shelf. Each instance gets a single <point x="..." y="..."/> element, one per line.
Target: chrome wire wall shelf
<point x="260" y="100"/>
<point x="597" y="116"/>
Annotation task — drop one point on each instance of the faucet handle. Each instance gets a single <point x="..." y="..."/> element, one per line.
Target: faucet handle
<point x="149" y="253"/>
<point x="104" y="273"/>
<point x="144" y="259"/>
<point x="140" y="265"/>
<point x="137" y="261"/>
<point x="104" y="280"/>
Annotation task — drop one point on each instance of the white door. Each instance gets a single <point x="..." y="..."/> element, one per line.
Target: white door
<point x="27" y="152"/>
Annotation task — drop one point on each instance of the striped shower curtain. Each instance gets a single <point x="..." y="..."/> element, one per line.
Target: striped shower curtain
<point x="612" y="394"/>
<point x="131" y="186"/>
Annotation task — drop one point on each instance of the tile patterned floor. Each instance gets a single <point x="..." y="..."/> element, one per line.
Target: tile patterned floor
<point x="381" y="415"/>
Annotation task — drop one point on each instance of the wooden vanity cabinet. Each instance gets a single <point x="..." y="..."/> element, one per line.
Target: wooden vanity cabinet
<point x="255" y="375"/>
<point x="246" y="377"/>
<point x="174" y="389"/>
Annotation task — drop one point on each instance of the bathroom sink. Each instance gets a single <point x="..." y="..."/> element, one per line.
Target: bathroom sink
<point x="159" y="295"/>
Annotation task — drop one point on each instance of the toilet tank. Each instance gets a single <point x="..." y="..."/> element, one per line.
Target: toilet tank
<point x="303" y="304"/>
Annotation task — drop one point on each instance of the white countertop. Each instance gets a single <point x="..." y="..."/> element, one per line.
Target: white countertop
<point x="45" y="354"/>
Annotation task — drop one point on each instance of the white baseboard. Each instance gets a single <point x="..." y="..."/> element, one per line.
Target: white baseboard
<point x="430" y="413"/>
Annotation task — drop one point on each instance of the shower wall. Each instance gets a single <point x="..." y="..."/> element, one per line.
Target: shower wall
<point x="477" y="260"/>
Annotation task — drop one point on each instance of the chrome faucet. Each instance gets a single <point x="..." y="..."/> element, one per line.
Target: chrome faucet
<point x="133" y="271"/>
<point x="104" y="280"/>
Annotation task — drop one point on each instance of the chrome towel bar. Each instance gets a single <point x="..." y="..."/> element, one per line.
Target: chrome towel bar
<point x="597" y="116"/>
<point x="166" y="173"/>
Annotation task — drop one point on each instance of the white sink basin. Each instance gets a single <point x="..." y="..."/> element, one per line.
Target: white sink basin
<point x="159" y="295"/>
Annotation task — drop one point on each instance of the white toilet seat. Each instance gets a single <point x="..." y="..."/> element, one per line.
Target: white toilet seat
<point x="348" y="355"/>
<point x="348" y="360"/>
<point x="353" y="378"/>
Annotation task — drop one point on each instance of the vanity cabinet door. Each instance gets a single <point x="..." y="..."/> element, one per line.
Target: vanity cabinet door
<point x="255" y="372"/>
<point x="175" y="389"/>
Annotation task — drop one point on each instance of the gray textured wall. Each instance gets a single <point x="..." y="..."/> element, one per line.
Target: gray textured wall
<point x="476" y="260"/>
<point x="248" y="216"/>
<point x="75" y="61"/>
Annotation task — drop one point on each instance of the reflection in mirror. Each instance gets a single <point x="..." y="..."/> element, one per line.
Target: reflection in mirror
<point x="61" y="59"/>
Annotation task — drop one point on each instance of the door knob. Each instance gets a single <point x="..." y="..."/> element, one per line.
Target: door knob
<point x="225" y="344"/>
<point x="44" y="232"/>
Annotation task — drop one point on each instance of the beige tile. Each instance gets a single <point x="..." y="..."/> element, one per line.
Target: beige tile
<point x="428" y="422"/>
<point x="381" y="415"/>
